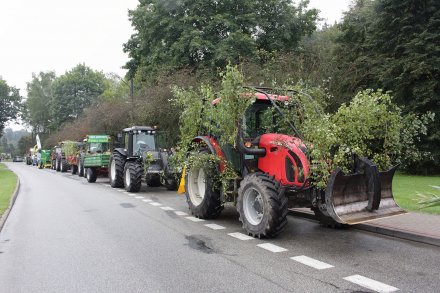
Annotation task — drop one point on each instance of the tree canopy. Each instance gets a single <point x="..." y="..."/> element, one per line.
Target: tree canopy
<point x="74" y="91"/>
<point x="195" y="33"/>
<point x="393" y="45"/>
<point x="10" y="104"/>
<point x="39" y="101"/>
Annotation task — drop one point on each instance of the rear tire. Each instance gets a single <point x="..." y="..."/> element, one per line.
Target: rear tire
<point x="202" y="196"/>
<point x="262" y="205"/>
<point x="91" y="175"/>
<point x="73" y="169"/>
<point x="133" y="172"/>
<point x="116" y="170"/>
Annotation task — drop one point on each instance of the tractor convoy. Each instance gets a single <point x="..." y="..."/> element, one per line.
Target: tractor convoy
<point x="273" y="172"/>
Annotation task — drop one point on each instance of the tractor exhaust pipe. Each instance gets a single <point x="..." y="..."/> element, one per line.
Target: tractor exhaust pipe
<point x="363" y="196"/>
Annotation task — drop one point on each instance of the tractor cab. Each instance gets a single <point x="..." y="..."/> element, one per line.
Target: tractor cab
<point x="97" y="144"/>
<point x="139" y="139"/>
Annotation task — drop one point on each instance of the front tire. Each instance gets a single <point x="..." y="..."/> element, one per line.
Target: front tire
<point x="170" y="183"/>
<point x="262" y="205"/>
<point x="63" y="165"/>
<point x="202" y="195"/>
<point x="327" y="221"/>
<point x="91" y="175"/>
<point x="80" y="168"/>
<point x="133" y="172"/>
<point x="57" y="165"/>
<point x="153" y="180"/>
<point x="73" y="169"/>
<point x="116" y="170"/>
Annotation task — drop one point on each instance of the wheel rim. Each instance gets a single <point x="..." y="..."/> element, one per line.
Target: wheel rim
<point x="112" y="170"/>
<point x="127" y="177"/>
<point x="253" y="206"/>
<point x="88" y="175"/>
<point x="196" y="186"/>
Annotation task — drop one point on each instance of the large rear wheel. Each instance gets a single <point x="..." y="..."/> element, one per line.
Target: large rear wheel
<point x="116" y="170"/>
<point x="262" y="205"/>
<point x="202" y="195"/>
<point x="133" y="172"/>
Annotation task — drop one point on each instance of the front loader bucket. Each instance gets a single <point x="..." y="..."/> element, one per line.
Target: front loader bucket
<point x="363" y="196"/>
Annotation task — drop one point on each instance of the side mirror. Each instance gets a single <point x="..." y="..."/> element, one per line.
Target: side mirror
<point x="119" y="137"/>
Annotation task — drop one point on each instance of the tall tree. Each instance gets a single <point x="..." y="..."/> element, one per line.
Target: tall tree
<point x="38" y="103"/>
<point x="74" y="91"/>
<point x="10" y="104"/>
<point x="193" y="33"/>
<point x="393" y="45"/>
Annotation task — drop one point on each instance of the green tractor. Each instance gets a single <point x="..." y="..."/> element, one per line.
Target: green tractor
<point x="45" y="159"/>
<point x="144" y="157"/>
<point x="94" y="161"/>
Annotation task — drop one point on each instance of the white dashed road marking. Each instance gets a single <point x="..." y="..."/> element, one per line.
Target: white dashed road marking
<point x="167" y="208"/>
<point x="179" y="213"/>
<point x="240" y="236"/>
<point x="271" y="247"/>
<point x="194" y="219"/>
<point x="156" y="204"/>
<point x="215" y="226"/>
<point x="147" y="200"/>
<point x="371" y="284"/>
<point x="139" y="197"/>
<point x="308" y="261"/>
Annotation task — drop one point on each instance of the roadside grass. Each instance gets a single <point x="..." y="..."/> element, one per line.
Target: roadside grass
<point x="8" y="181"/>
<point x="406" y="187"/>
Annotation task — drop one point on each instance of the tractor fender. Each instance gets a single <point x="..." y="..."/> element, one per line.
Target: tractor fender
<point x="121" y="151"/>
<point x="214" y="148"/>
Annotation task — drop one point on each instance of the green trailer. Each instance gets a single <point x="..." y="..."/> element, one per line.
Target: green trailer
<point x="95" y="159"/>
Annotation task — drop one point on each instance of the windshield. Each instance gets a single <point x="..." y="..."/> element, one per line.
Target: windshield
<point x="143" y="141"/>
<point x="260" y="118"/>
<point x="98" y="147"/>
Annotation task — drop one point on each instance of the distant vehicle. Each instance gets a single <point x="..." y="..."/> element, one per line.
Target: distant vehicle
<point x="17" y="159"/>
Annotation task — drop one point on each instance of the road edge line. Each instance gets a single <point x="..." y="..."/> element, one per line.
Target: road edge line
<point x="5" y="215"/>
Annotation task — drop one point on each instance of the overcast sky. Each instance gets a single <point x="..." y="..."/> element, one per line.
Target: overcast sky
<point x="56" y="35"/>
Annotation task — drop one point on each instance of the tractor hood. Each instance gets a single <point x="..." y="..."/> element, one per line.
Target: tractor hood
<point x="285" y="159"/>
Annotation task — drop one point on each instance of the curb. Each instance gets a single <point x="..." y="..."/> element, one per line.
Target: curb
<point x="4" y="217"/>
<point x="379" y="229"/>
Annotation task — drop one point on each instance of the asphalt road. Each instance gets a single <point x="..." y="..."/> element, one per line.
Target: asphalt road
<point x="66" y="235"/>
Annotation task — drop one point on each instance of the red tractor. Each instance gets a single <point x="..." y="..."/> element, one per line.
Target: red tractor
<point x="274" y="172"/>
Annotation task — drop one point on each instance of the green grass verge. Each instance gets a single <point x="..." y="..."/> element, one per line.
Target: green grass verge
<point x="406" y="187"/>
<point x="8" y="181"/>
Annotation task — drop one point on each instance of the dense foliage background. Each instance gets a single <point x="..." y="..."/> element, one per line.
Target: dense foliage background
<point x="379" y="44"/>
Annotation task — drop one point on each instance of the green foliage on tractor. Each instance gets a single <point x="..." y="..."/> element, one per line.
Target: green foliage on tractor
<point x="371" y="125"/>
